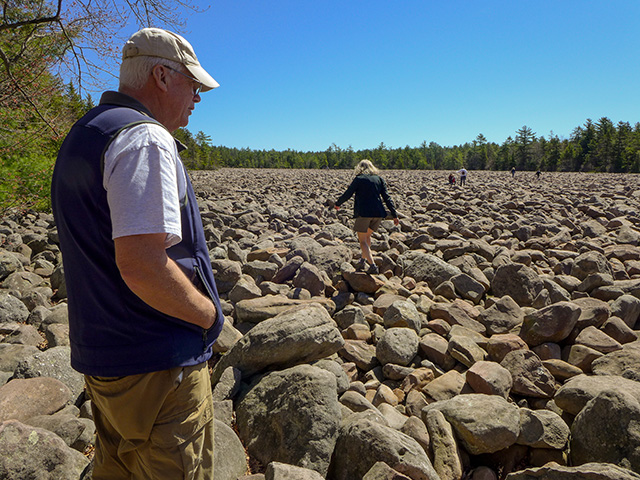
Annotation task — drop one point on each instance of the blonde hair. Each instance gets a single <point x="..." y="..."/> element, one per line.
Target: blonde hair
<point x="135" y="71"/>
<point x="366" y="167"/>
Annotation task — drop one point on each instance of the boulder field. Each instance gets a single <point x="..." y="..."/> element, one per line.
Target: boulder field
<point x="499" y="339"/>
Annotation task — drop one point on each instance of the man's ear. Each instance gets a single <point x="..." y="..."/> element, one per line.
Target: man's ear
<point x="160" y="75"/>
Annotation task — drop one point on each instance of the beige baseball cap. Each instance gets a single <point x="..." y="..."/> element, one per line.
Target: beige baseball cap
<point x="156" y="42"/>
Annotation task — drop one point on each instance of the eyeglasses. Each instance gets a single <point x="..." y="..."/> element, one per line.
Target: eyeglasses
<point x="197" y="89"/>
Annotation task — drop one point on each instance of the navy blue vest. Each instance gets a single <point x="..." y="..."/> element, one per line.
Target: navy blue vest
<point x="112" y="331"/>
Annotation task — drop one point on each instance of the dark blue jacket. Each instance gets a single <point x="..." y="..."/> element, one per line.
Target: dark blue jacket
<point x="112" y="331"/>
<point x="368" y="189"/>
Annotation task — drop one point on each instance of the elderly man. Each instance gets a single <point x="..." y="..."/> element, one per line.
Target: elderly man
<point x="143" y="306"/>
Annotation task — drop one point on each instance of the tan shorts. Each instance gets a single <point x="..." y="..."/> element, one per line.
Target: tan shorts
<point x="362" y="224"/>
<point x="155" y="425"/>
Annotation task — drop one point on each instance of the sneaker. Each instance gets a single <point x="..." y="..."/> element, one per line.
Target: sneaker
<point x="361" y="264"/>
<point x="373" y="269"/>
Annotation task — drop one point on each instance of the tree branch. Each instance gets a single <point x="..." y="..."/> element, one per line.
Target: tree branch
<point x="33" y="21"/>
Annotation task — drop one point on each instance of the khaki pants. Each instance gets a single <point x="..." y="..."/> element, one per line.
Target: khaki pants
<point x="153" y="426"/>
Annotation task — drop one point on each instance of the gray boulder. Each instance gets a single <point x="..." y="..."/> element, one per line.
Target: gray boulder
<point x="22" y="399"/>
<point x="593" y="312"/>
<point x="518" y="281"/>
<point x="283" y="471"/>
<point x="9" y="263"/>
<point x="465" y="350"/>
<point x="502" y="317"/>
<point x="382" y="471"/>
<point x="348" y="316"/>
<point x="482" y="423"/>
<point x="445" y="387"/>
<point x="22" y="281"/>
<point x="446" y="455"/>
<point x="363" y="282"/>
<point x="356" y="402"/>
<point x="579" y="390"/>
<point x="542" y="429"/>
<point x="308" y="277"/>
<point x="58" y="314"/>
<point x="626" y="307"/>
<point x="291" y="416"/>
<point x="607" y="430"/>
<point x="397" y="346"/>
<point x="402" y="313"/>
<point x="55" y="363"/>
<point x="362" y="443"/>
<point x="260" y="269"/>
<point x="588" y="471"/>
<point x="328" y="258"/>
<point x="334" y="367"/>
<point x="247" y="219"/>
<point x="76" y="432"/>
<point x="288" y="270"/>
<point x="12" y="309"/>
<point x="299" y="335"/>
<point x="468" y="287"/>
<point x="557" y="293"/>
<point x="57" y="335"/>
<point x="549" y="324"/>
<point x="595" y="338"/>
<point x="227" y="273"/>
<point x="457" y="312"/>
<point x="12" y="354"/>
<point x="256" y="310"/>
<point x="228" y="337"/>
<point x="46" y="457"/>
<point x="489" y="378"/>
<point x="530" y="377"/>
<point x="428" y="268"/>
<point x="228" y="384"/>
<point x="616" y="328"/>
<point x="244" y="289"/>
<point x="21" y="334"/>
<point x="361" y="353"/>
<point x="590" y="262"/>
<point x="229" y="456"/>
<point x="435" y="348"/>
<point x="58" y="282"/>
<point x="624" y="362"/>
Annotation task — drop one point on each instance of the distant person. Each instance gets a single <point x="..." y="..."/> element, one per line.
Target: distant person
<point x="538" y="173"/>
<point x="463" y="176"/>
<point x="144" y="311"/>
<point x="368" y="210"/>
<point x="513" y="172"/>
<point x="452" y="179"/>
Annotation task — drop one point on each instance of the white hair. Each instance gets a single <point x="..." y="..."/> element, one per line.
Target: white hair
<point x="135" y="71"/>
<point x="366" y="167"/>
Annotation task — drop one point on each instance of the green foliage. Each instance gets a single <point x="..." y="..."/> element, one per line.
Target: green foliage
<point x="26" y="183"/>
<point x="598" y="147"/>
<point x="28" y="148"/>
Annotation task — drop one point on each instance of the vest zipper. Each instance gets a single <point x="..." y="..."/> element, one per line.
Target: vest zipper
<point x="206" y="286"/>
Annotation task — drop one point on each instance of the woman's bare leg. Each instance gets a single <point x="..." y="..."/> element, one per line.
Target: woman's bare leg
<point x="365" y="245"/>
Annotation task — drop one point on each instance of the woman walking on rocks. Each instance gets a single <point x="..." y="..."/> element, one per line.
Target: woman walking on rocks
<point x="368" y="210"/>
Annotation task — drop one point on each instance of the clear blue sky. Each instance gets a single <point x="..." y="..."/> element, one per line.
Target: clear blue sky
<point x="304" y="74"/>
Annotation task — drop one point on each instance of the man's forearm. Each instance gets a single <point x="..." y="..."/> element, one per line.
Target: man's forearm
<point x="159" y="281"/>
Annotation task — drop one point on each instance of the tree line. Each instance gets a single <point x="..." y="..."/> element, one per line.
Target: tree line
<point x="600" y="146"/>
